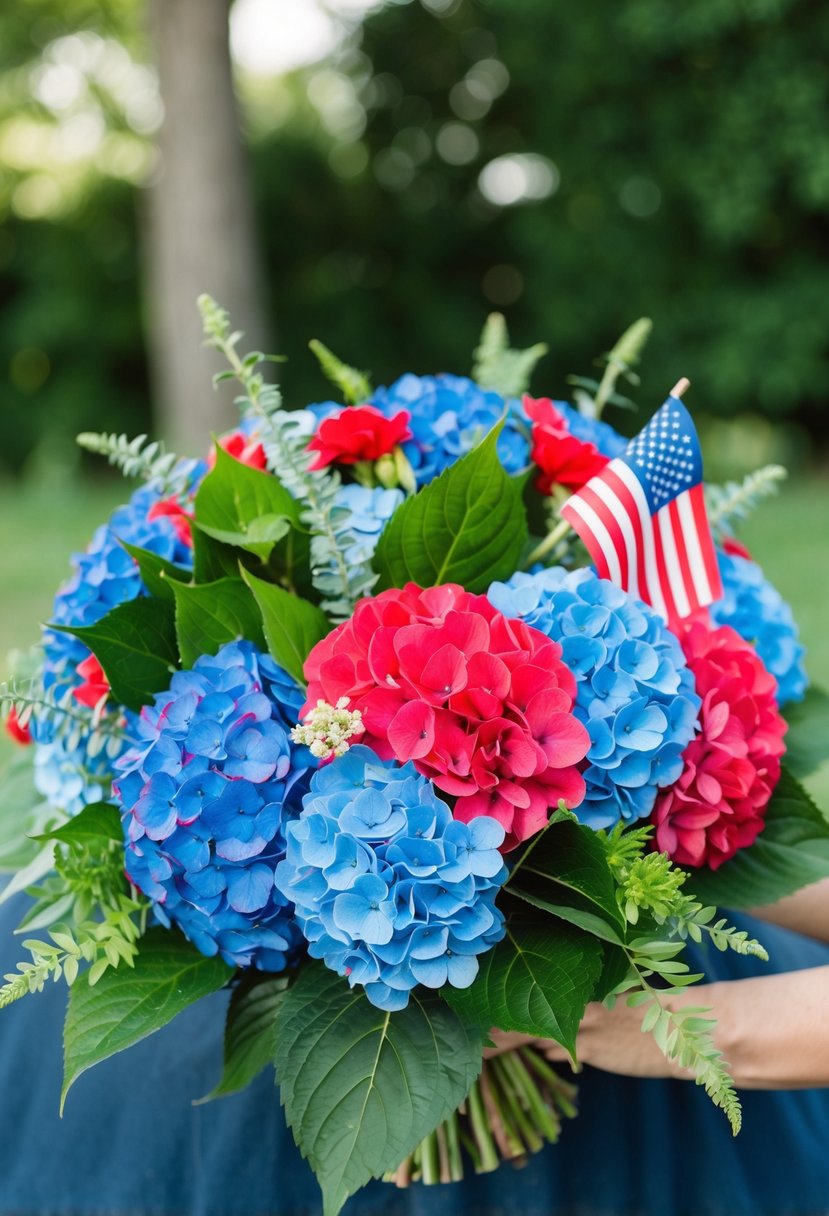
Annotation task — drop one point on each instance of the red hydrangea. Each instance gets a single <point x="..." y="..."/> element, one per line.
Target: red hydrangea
<point x="179" y="518"/>
<point x="20" y="734"/>
<point x="94" y="686"/>
<point x="563" y="459"/>
<point x="733" y="763"/>
<point x="358" y="433"/>
<point x="481" y="704"/>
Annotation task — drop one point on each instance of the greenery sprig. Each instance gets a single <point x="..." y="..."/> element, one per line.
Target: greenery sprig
<point x="139" y="458"/>
<point x="285" y="435"/>
<point x="498" y="367"/>
<point x="93" y="916"/>
<point x="735" y="501"/>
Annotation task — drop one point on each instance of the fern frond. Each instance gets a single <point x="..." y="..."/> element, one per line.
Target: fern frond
<point x="139" y="458"/>
<point x="340" y="583"/>
<point x="354" y="385"/>
<point x="736" y="500"/>
<point x="684" y="1037"/>
<point x="496" y="366"/>
<point x="63" y="712"/>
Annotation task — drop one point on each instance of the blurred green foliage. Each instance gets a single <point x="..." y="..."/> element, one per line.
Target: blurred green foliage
<point x="574" y="168"/>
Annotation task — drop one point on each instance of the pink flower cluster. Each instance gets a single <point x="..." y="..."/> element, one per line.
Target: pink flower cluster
<point x="733" y="763"/>
<point x="481" y="704"/>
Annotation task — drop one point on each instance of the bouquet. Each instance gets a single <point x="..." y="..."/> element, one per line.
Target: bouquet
<point x="441" y="710"/>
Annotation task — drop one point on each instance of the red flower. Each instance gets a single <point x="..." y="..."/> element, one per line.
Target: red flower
<point x="357" y="433"/>
<point x="480" y="703"/>
<point x="562" y="459"/>
<point x="733" y="763"/>
<point x="95" y="685"/>
<point x="179" y="518"/>
<point x="734" y="548"/>
<point x="243" y="448"/>
<point x="20" y="734"/>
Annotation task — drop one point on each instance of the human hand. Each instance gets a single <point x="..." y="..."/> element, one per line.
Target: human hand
<point x="612" y="1039"/>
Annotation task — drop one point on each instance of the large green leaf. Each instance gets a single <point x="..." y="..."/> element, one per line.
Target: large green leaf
<point x="240" y="508"/>
<point x="467" y="526"/>
<point x="570" y="856"/>
<point x="233" y="495"/>
<point x="135" y="644"/>
<point x="249" y="1033"/>
<point x="96" y="824"/>
<point x="211" y="614"/>
<point x="537" y="981"/>
<point x="127" y="1004"/>
<point x="807" y="739"/>
<point x="156" y="572"/>
<point x="293" y="626"/>
<point x="361" y="1087"/>
<point x="791" y="852"/>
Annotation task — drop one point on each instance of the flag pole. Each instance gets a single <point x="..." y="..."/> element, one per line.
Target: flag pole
<point x="563" y="527"/>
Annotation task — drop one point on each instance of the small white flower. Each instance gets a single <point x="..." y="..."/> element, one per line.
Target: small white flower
<point x="327" y="729"/>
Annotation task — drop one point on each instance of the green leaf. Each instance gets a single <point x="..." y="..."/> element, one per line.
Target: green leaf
<point x="565" y="905"/>
<point x="791" y="852"/>
<point x="157" y="572"/>
<point x="355" y="386"/>
<point x="212" y="560"/>
<point x="807" y="739"/>
<point x="292" y="626"/>
<point x="233" y="495"/>
<point x="135" y="644"/>
<point x="211" y="614"/>
<point x="97" y="823"/>
<point x="127" y="1004"/>
<point x="537" y="981"/>
<point x="259" y="539"/>
<point x="468" y="526"/>
<point x="361" y="1087"/>
<point x="249" y="1033"/>
<point x="571" y="856"/>
<point x="615" y="970"/>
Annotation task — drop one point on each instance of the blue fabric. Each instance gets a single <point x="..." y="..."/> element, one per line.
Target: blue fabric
<point x="131" y="1144"/>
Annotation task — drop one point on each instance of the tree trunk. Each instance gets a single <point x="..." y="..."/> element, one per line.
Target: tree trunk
<point x="200" y="223"/>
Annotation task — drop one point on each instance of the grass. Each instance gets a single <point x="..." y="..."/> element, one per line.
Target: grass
<point x="40" y="527"/>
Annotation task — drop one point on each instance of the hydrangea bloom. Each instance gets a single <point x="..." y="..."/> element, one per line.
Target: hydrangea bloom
<point x="357" y="433"/>
<point x="592" y="430"/>
<point x="733" y="764"/>
<point x="389" y="889"/>
<point x="563" y="458"/>
<point x="635" y="693"/>
<point x="449" y="416"/>
<point x="758" y="612"/>
<point x="104" y="576"/>
<point x="365" y="513"/>
<point x="206" y="791"/>
<point x="481" y="704"/>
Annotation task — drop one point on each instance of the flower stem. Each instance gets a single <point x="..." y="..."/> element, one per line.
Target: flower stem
<point x="488" y="1155"/>
<point x="549" y="542"/>
<point x="507" y="1139"/>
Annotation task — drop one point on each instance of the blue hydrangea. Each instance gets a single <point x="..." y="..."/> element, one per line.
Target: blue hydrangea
<point x="635" y="692"/>
<point x="206" y="791"/>
<point x="389" y="889"/>
<point x="104" y="576"/>
<point x="758" y="612"/>
<point x="365" y="513"/>
<point x="592" y="430"/>
<point x="450" y="415"/>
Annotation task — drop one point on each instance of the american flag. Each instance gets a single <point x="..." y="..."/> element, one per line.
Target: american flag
<point x="643" y="518"/>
